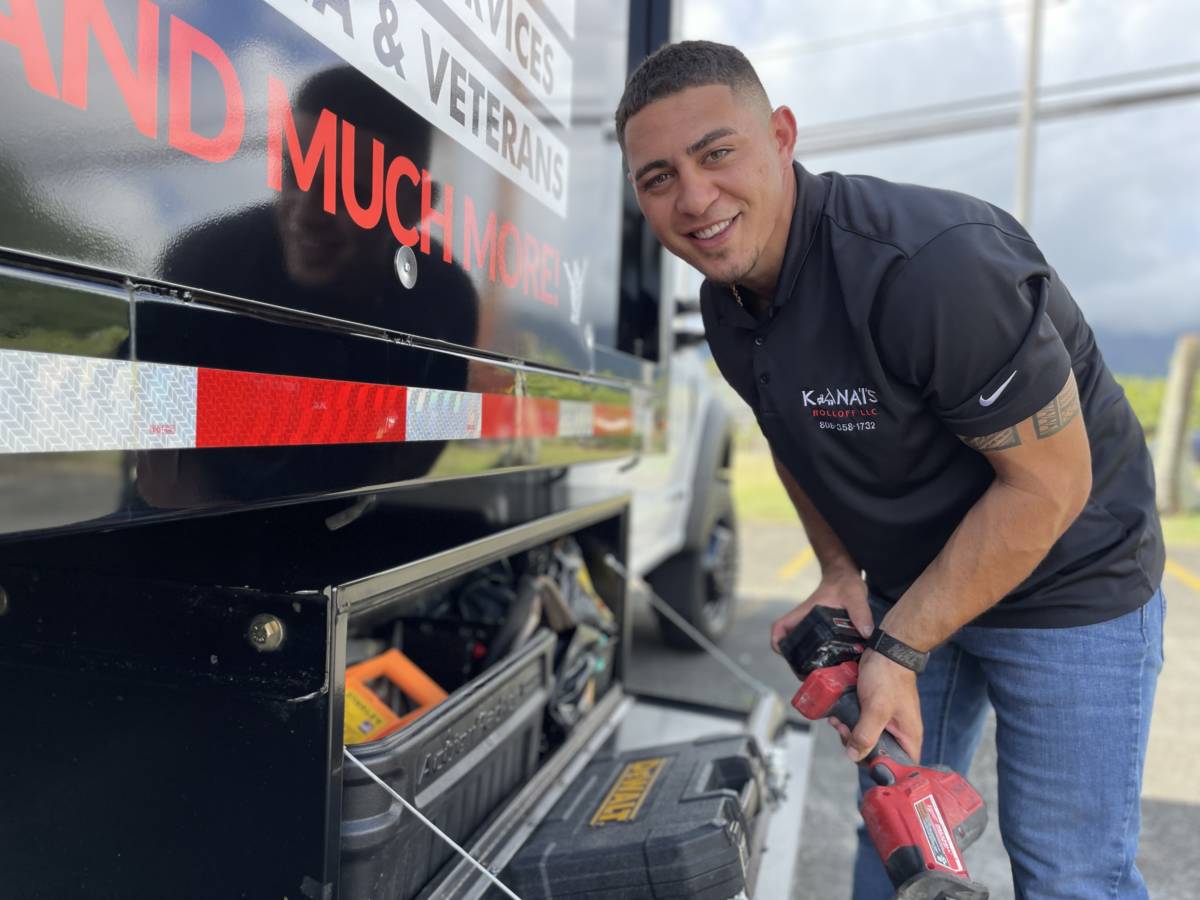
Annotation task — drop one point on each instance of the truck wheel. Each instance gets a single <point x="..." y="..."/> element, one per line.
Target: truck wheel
<point x="701" y="586"/>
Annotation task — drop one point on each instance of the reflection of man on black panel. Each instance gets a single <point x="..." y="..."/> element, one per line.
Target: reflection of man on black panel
<point x="295" y="254"/>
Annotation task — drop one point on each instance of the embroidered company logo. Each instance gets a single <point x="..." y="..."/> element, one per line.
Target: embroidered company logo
<point x="840" y="397"/>
<point x="850" y="409"/>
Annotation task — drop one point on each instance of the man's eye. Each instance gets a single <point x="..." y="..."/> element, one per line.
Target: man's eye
<point x="651" y="183"/>
<point x="719" y="154"/>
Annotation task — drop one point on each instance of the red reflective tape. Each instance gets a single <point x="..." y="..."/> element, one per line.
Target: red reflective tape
<point x="499" y="416"/>
<point x="609" y="419"/>
<point x="505" y="416"/>
<point x="246" y="409"/>
<point x="539" y="417"/>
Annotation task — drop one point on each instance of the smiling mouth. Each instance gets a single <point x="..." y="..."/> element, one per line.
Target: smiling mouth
<point x="713" y="230"/>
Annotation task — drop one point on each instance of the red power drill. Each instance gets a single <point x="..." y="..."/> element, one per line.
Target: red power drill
<point x="920" y="818"/>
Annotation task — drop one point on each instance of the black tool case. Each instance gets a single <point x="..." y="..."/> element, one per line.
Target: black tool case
<point x="672" y="821"/>
<point x="456" y="764"/>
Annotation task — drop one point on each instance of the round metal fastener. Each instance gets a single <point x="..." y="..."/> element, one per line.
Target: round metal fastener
<point x="3" y="601"/>
<point x="406" y="266"/>
<point x="266" y="633"/>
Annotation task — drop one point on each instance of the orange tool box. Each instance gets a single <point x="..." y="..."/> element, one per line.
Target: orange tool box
<point x="367" y="716"/>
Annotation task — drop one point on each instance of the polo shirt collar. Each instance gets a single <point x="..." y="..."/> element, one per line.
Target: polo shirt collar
<point x="811" y="193"/>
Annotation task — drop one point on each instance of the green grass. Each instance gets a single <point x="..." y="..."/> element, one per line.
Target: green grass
<point x="1145" y="395"/>
<point x="1182" y="531"/>
<point x="757" y="494"/>
<point x="759" y="498"/>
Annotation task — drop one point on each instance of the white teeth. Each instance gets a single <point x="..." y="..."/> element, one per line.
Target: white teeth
<point x="712" y="230"/>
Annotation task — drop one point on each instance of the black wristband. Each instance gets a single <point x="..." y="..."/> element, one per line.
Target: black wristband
<point x="898" y="651"/>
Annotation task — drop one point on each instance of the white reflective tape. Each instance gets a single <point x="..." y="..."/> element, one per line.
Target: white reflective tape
<point x="51" y="403"/>
<point x="436" y="415"/>
<point x="642" y="402"/>
<point x="164" y="407"/>
<point x="575" y="419"/>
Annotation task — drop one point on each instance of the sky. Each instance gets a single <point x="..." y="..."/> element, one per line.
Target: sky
<point x="1116" y="203"/>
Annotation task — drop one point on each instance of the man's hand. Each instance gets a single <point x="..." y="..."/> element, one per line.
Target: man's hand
<point x="840" y="589"/>
<point x="887" y="693"/>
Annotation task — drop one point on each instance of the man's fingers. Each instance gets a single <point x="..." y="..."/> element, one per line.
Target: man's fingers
<point x="777" y="633"/>
<point x="865" y="735"/>
<point x="861" y="618"/>
<point x="786" y="623"/>
<point x="911" y="745"/>
<point x="909" y="734"/>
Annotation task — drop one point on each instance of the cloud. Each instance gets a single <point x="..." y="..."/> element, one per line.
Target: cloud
<point x="1117" y="205"/>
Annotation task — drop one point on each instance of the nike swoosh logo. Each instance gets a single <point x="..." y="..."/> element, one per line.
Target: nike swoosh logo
<point x="988" y="401"/>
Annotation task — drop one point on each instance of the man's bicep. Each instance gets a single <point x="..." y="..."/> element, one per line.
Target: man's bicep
<point x="967" y="323"/>
<point x="1045" y="423"/>
<point x="1047" y="452"/>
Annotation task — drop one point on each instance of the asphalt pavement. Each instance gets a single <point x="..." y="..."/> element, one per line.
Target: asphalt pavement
<point x="777" y="571"/>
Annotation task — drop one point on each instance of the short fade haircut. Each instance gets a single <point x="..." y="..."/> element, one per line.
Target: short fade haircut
<point x="676" y="67"/>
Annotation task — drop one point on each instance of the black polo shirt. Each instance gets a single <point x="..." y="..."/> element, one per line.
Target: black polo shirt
<point x="903" y="317"/>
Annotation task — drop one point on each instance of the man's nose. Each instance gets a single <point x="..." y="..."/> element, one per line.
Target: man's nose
<point x="695" y="195"/>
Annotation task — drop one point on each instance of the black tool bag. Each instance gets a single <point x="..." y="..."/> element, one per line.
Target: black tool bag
<point x="670" y="821"/>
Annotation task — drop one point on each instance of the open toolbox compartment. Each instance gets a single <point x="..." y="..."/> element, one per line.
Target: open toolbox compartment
<point x="456" y="764"/>
<point x="465" y="761"/>
<point x="222" y="760"/>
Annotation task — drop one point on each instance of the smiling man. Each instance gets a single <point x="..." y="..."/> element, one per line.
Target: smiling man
<point x="943" y="421"/>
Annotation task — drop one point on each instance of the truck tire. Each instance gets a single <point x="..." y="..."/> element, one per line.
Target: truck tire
<point x="701" y="584"/>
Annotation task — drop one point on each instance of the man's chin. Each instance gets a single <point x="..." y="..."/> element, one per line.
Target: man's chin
<point x="305" y="274"/>
<point x="726" y="273"/>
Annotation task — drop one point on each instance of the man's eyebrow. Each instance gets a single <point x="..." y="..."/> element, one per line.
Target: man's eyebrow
<point x="656" y="164"/>
<point x="714" y="135"/>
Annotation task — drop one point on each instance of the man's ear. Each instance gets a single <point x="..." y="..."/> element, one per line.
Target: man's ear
<point x="783" y="130"/>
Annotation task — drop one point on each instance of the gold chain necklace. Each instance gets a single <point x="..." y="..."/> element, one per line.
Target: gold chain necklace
<point x="736" y="295"/>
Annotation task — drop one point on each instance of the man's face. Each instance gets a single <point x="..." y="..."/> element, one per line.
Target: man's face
<point x="712" y="174"/>
<point x="319" y="248"/>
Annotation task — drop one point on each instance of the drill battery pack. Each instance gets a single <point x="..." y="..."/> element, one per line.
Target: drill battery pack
<point x="674" y="821"/>
<point x="827" y="638"/>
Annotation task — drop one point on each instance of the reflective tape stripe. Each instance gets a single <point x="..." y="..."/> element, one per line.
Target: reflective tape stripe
<point x="610" y="420"/>
<point x="55" y="403"/>
<point x="164" y="400"/>
<point x="435" y="415"/>
<point x="246" y="409"/>
<point x="519" y="417"/>
<point x="575" y="419"/>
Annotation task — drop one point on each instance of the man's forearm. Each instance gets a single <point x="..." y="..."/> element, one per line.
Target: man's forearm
<point x="1043" y="480"/>
<point x="995" y="547"/>
<point x="831" y="553"/>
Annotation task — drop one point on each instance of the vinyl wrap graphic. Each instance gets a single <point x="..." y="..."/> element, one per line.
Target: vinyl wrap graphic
<point x="55" y="403"/>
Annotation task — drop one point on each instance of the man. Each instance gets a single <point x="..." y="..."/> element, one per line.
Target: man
<point x="942" y="420"/>
<point x="294" y="254"/>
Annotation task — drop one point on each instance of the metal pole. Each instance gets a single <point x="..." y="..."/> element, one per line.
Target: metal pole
<point x="1033" y="55"/>
<point x="1171" y="441"/>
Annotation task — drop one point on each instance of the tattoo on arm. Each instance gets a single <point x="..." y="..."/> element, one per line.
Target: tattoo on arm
<point x="1058" y="413"/>
<point x="999" y="440"/>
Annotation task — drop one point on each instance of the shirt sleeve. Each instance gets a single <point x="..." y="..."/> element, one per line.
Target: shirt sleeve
<point x="965" y="321"/>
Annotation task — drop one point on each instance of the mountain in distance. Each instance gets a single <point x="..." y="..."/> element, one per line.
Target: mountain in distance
<point x="1131" y="353"/>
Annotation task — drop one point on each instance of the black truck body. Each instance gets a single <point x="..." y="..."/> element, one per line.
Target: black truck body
<point x="310" y="313"/>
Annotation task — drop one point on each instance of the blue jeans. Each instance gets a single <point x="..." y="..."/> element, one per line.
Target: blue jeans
<point x="1072" y="720"/>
